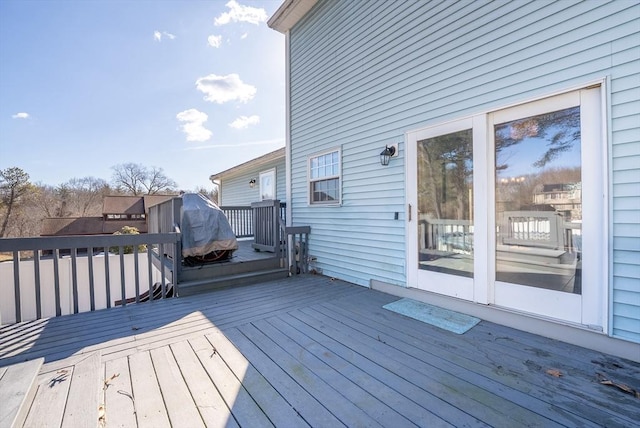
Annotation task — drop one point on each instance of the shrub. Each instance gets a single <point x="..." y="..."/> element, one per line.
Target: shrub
<point x="128" y="249"/>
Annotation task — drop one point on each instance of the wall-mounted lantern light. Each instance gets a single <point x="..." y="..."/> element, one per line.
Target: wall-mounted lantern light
<point x="252" y="183"/>
<point x="388" y="153"/>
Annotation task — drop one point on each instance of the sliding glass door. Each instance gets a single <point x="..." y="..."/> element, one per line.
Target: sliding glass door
<point x="507" y="208"/>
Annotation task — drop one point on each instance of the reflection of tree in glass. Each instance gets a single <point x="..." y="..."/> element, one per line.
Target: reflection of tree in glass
<point x="445" y="169"/>
<point x="560" y="128"/>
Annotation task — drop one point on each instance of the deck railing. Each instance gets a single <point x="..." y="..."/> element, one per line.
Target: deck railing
<point x="97" y="273"/>
<point x="241" y="218"/>
<point x="541" y="229"/>
<point x="266" y="225"/>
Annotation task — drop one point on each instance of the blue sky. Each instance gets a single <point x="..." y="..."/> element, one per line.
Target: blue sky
<point x="193" y="87"/>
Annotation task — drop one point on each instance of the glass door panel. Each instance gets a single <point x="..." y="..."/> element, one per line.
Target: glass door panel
<point x="445" y="203"/>
<point x="538" y="201"/>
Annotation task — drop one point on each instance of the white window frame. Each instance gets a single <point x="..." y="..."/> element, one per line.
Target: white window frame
<point x="338" y="176"/>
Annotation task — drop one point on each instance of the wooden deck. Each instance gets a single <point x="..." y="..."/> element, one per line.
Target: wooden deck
<point x="307" y="351"/>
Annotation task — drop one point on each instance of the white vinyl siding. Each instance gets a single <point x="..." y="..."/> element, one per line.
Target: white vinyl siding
<point x="365" y="72"/>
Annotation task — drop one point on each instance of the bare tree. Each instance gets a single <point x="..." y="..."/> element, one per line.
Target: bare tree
<point x="156" y="181"/>
<point x="211" y="194"/>
<point x="137" y="179"/>
<point x="85" y="195"/>
<point x="14" y="184"/>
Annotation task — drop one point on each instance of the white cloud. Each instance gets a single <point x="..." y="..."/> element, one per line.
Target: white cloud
<point x="215" y="41"/>
<point x="243" y="122"/>
<point x="157" y="35"/>
<point x="244" y="36"/>
<point x="240" y="13"/>
<point x="220" y="89"/>
<point x="21" y="115"/>
<point x="193" y="125"/>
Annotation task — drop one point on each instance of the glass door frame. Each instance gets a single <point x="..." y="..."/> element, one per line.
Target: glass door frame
<point x="588" y="309"/>
<point x="450" y="285"/>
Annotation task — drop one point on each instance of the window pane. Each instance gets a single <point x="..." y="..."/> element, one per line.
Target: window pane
<point x="538" y="201"/>
<point x="325" y="190"/>
<point x="445" y="203"/>
<point x="326" y="165"/>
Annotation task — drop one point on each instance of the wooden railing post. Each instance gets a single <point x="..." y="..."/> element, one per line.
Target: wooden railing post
<point x="299" y="249"/>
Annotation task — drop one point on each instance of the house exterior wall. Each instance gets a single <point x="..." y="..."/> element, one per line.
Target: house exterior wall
<point x="235" y="190"/>
<point x="362" y="74"/>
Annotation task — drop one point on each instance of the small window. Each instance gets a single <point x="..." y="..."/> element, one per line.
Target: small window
<point x="324" y="178"/>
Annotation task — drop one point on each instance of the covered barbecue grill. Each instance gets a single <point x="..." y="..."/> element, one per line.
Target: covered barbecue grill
<point x="206" y="233"/>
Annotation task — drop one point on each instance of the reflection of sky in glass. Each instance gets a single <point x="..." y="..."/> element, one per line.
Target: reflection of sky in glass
<point x="530" y="145"/>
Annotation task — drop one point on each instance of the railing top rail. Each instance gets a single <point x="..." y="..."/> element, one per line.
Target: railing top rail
<point x="235" y="207"/>
<point x="51" y="242"/>
<point x="266" y="203"/>
<point x="298" y="229"/>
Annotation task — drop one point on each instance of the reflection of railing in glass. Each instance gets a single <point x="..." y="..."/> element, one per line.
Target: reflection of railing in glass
<point x="445" y="203"/>
<point x="538" y="249"/>
<point x="538" y="201"/>
<point x="446" y="245"/>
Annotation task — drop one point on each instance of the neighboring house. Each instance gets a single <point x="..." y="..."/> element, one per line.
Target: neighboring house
<point x="484" y="104"/>
<point x="259" y="179"/>
<point x="117" y="211"/>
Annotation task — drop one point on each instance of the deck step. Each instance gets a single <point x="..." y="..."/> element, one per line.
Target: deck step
<point x="204" y="272"/>
<point x="18" y="386"/>
<point x="202" y="285"/>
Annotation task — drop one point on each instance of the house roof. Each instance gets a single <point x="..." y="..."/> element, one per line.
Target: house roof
<point x="62" y="226"/>
<point x="131" y="204"/>
<point x="277" y="154"/>
<point x="65" y="226"/>
<point x="71" y="226"/>
<point x="151" y="200"/>
<point x="289" y="13"/>
<point x="123" y="205"/>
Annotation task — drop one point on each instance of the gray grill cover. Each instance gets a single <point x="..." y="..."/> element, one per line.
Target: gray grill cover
<point x="205" y="228"/>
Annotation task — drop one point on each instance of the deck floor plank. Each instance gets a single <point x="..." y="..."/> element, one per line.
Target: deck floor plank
<point x="302" y="402"/>
<point x="177" y="398"/>
<point x="308" y="351"/>
<point x="506" y="399"/>
<point x="363" y="372"/>
<point x="125" y="331"/>
<point x="118" y="395"/>
<point x="436" y="411"/>
<point x="576" y="392"/>
<point x="206" y="397"/>
<point x="81" y="409"/>
<point x="49" y="403"/>
<point x="244" y="409"/>
<point x="277" y="409"/>
<point x="343" y="408"/>
<point x="457" y="393"/>
<point x="148" y="401"/>
<point x="366" y="401"/>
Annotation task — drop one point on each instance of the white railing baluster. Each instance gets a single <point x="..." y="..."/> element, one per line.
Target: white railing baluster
<point x="16" y="285"/>
<point x="36" y="273"/>
<point x="56" y="281"/>
<point x="123" y="288"/>
<point x="136" y="273"/>
<point x="92" y="292"/>
<point x="74" y="280"/>
<point x="107" y="286"/>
